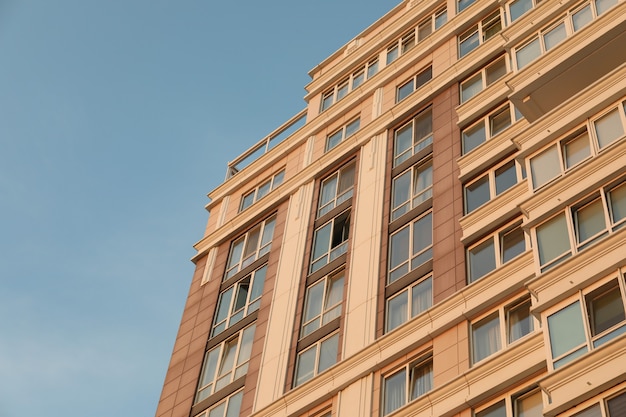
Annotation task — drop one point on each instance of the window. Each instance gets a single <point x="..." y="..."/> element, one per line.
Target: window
<point x="414" y="83"/>
<point x="230" y="407"/>
<point x="316" y="359"/>
<point x="489" y="126"/>
<point x="261" y="191"/>
<point x="239" y="300"/>
<point x="496" y="410"/>
<point x="463" y="4"/>
<point x="411" y="188"/>
<point x="483" y="79"/>
<point x="529" y="404"/>
<point x="410" y="382"/>
<point x="346" y="131"/>
<point x="500" y="328"/>
<point x="408" y="303"/>
<point x="427" y="26"/>
<point x="346" y="85"/>
<point x="250" y="247"/>
<point x="581" y="225"/>
<point x="609" y="127"/>
<point x="322" y="303"/>
<point x="336" y="188"/>
<point x="330" y="240"/>
<point x="552" y="35"/>
<point x="617" y="405"/>
<point x="572" y="333"/>
<point x="490" y="185"/>
<point x="517" y="8"/>
<point x="496" y="250"/>
<point x="479" y="33"/>
<point x="412" y="137"/>
<point x="410" y="247"/>
<point x="225" y="363"/>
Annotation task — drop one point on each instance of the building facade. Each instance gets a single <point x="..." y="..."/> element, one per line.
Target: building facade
<point x="438" y="233"/>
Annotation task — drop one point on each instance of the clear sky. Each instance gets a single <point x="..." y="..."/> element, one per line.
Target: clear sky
<point x="117" y="117"/>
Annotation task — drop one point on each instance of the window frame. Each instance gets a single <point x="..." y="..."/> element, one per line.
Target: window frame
<point x="332" y="252"/>
<point x="339" y="196"/>
<point x="423" y="362"/>
<point x="327" y="312"/>
<point x="234" y="266"/>
<point x="271" y="183"/>
<point x="316" y="365"/>
<point x="483" y="73"/>
<point x="424" y="116"/>
<point x="479" y="32"/>
<point x="409" y="293"/>
<point x="491" y="177"/>
<point x="414" y="83"/>
<point x="343" y="133"/>
<point x="415" y="196"/>
<point x="226" y="402"/>
<point x="427" y="251"/>
<point x="486" y="123"/>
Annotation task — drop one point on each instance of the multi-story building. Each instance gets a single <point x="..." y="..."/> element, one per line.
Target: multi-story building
<point x="438" y="233"/>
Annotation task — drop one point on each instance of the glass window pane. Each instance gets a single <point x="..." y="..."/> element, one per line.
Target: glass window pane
<point x="518" y="7"/>
<point x="528" y="53"/>
<point x="530" y="405"/>
<point x="520" y="322"/>
<point x="464" y="4"/>
<point x="423" y="125"/>
<point x="513" y="243"/>
<point x="392" y="54"/>
<point x="422" y="233"/>
<point x="566" y="329"/>
<point x="394" y="392"/>
<point x="471" y="87"/>
<point x="473" y="137"/>
<point x="617" y="198"/>
<point x="327" y="100"/>
<point x="399" y="253"/>
<point x="605" y="308"/>
<point x="604" y="5"/>
<point x="468" y="42"/>
<point x="422" y="181"/>
<point x="608" y="128"/>
<point x="404" y="90"/>
<point x="234" y="405"/>
<point x="552" y="239"/>
<point x="617" y="405"/>
<point x="397" y="310"/>
<point x="554" y="36"/>
<point x="485" y="337"/>
<point x="372" y="69"/>
<point x="257" y="284"/>
<point x="313" y="304"/>
<point x="322" y="241"/>
<point x="576" y="150"/>
<point x="352" y="127"/>
<point x="305" y="365"/>
<point x="334" y="140"/>
<point x="593" y="411"/>
<point x="218" y="411"/>
<point x="422" y="297"/>
<point x="342" y="90"/>
<point x="491" y="25"/>
<point x="477" y="194"/>
<point x="441" y="18"/>
<point x="247" y="200"/>
<point x="403" y="142"/>
<point x="545" y="166"/>
<point x="424" y="30"/>
<point x="328" y="353"/>
<point x="495" y="71"/>
<point x="582" y="17"/>
<point x="496" y="410"/>
<point x="401" y="194"/>
<point x="482" y="260"/>
<point x="506" y="177"/>
<point x="358" y="79"/>
<point x="499" y="121"/>
<point x="421" y="379"/>
<point x="589" y="220"/>
<point x="268" y="233"/>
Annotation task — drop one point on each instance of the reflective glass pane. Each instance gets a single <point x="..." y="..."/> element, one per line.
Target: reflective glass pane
<point x="520" y="322"/>
<point x="322" y="241"/>
<point x="593" y="411"/>
<point x="328" y="353"/>
<point x="424" y="30"/>
<point x="566" y="329"/>
<point x="608" y="128"/>
<point x="372" y="69"/>
<point x="464" y="4"/>
<point x="528" y="53"/>
<point x="477" y="194"/>
<point x="495" y="71"/>
<point x="552" y="239"/>
<point x="247" y="201"/>
<point x="529" y="405"/>
<point x="499" y="121"/>
<point x="604" y="5"/>
<point x="352" y="127"/>
<point x="441" y="18"/>
<point x="519" y="7"/>
<point x="468" y="42"/>
<point x="399" y="253"/>
<point x="358" y="79"/>
<point x="554" y="36"/>
<point x="313" y="304"/>
<point x="305" y="365"/>
<point x="576" y="150"/>
<point x="422" y="297"/>
<point x="482" y="260"/>
<point x="485" y="337"/>
<point x="471" y="87"/>
<point x="403" y="142"/>
<point x="496" y="410"/>
<point x="397" y="310"/>
<point x="473" y="137"/>
<point x="617" y="197"/>
<point x="605" y="308"/>
<point x="334" y="140"/>
<point x="422" y="233"/>
<point x="234" y="405"/>
<point x="617" y="405"/>
<point x="506" y="177"/>
<point x="392" y="54"/>
<point x="404" y="90"/>
<point x="545" y="166"/>
<point x="401" y="194"/>
<point x="421" y="379"/>
<point x="512" y="244"/>
<point x="589" y="220"/>
<point x="582" y="17"/>
<point x="394" y="392"/>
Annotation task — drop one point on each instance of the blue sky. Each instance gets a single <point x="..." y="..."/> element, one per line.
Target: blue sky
<point x="117" y="117"/>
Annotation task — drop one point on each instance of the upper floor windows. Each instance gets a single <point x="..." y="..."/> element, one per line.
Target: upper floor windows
<point x="406" y="384"/>
<point x="323" y="302"/>
<point x="560" y="157"/>
<point x="316" y="359"/>
<point x="346" y="131"/>
<point x="427" y="26"/>
<point x="517" y="8"/>
<point x="489" y="126"/>
<point x="229" y="407"/>
<point x="581" y="225"/>
<point x="408" y="303"/>
<point x="348" y="84"/>
<point x="330" y="240"/>
<point x="410" y="247"/>
<point x="495" y="250"/>
<point x="591" y="318"/>
<point x="250" y="247"/>
<point x="479" y="33"/>
<point x="483" y="78"/>
<point x="550" y="36"/>
<point x="500" y="328"/>
<point x="262" y="190"/>
<point x="225" y="363"/>
<point x="336" y="188"/>
<point x="491" y="184"/>
<point x="412" y="137"/>
<point x="417" y="81"/>
<point x="528" y="403"/>
<point x="239" y="300"/>
<point x="463" y="4"/>
<point x="411" y="188"/>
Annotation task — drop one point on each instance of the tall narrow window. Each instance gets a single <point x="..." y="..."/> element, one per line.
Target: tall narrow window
<point x="410" y="247"/>
<point x="407" y="384"/>
<point x="250" y="247"/>
<point x="485" y="337"/>
<point x="316" y="359"/>
<point x="330" y="240"/>
<point x="322" y="303"/>
<point x="567" y="336"/>
<point x="336" y="189"/>
<point x="413" y="137"/>
<point x="605" y="310"/>
<point x="411" y="188"/>
<point x="408" y="303"/>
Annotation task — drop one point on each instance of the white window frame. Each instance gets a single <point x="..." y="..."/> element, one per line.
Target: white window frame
<point x="432" y="22"/>
<point x="491" y="177"/>
<point x="407" y="292"/>
<point x="317" y="346"/>
<point x="233" y="400"/>
<point x="426" y="253"/>
<point x="414" y="83"/>
<point x="236" y="261"/>
<point x="339" y="196"/>
<point x="219" y="356"/>
<point x="483" y="74"/>
<point x="227" y="303"/>
<point x="343" y="133"/>
<point x="262" y="190"/>
<point x="415" y="196"/>
<point x="333" y="251"/>
<point x="327" y="312"/>
<point x="509" y="403"/>
<point x="417" y="144"/>
<point x="501" y="313"/>
<point x="423" y="363"/>
<point x="533" y="4"/>
<point x="486" y="123"/>
<point x="481" y="31"/>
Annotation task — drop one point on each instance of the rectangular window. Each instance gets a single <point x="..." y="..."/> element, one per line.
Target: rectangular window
<point x="517" y="8"/>
<point x="345" y="132"/>
<point x="322" y="303"/>
<point x="500" y="328"/>
<point x="609" y="127"/>
<point x="553" y="243"/>
<point x="225" y="363"/>
<point x="529" y="404"/>
<point x="408" y="303"/>
<point x="250" y="247"/>
<point x="617" y="205"/>
<point x="316" y="359"/>
<point x="239" y="300"/>
<point x="410" y="247"/>
<point x="412" y="137"/>
<point x="261" y="191"/>
<point x="411" y="188"/>
<point x="427" y="26"/>
<point x="589" y="222"/>
<point x="407" y="384"/>
<point x="483" y="79"/>
<point x="414" y="83"/>
<point x="463" y="4"/>
<point x="605" y="312"/>
<point x="336" y="188"/>
<point x="330" y="241"/>
<point x="489" y="126"/>
<point x="229" y="407"/>
<point x="617" y="405"/>
<point x="496" y="410"/>
<point x="328" y="98"/>
<point x="479" y="33"/>
<point x="545" y="166"/>
<point x="490" y="185"/>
